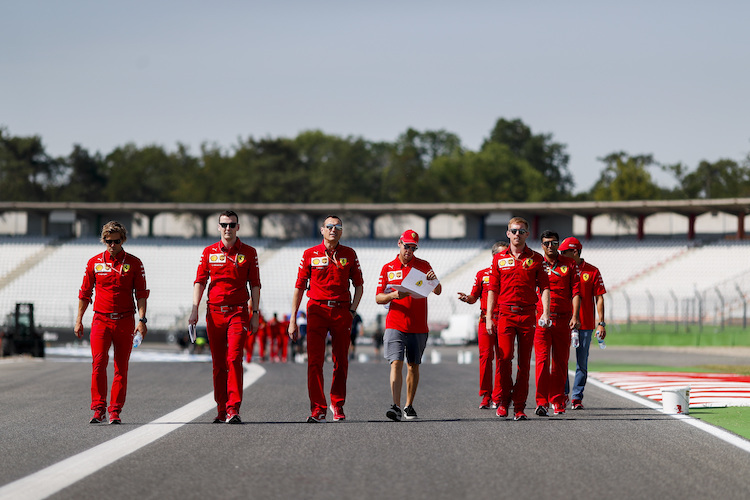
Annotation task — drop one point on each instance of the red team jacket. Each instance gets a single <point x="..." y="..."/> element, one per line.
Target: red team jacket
<point x="116" y="280"/>
<point x="591" y="284"/>
<point x="563" y="285"/>
<point x="229" y="272"/>
<point x="481" y="287"/>
<point x="327" y="273"/>
<point x="408" y="315"/>
<point x="515" y="280"/>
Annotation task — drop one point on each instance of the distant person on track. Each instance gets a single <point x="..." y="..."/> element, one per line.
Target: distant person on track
<point x="232" y="267"/>
<point x="488" y="349"/>
<point x="356" y="327"/>
<point x="517" y="272"/>
<point x="326" y="271"/>
<point x="406" y="328"/>
<point x="118" y="277"/>
<point x="552" y="344"/>
<point x="592" y="292"/>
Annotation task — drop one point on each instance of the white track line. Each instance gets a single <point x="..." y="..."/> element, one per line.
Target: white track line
<point x="54" y="478"/>
<point x="726" y="436"/>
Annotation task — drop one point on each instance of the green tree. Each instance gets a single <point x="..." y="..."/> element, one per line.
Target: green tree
<point x="27" y="172"/>
<point x="547" y="157"/>
<point x="85" y="177"/>
<point x="625" y="178"/>
<point x="406" y="175"/>
<point x="147" y="174"/>
<point x="722" y="179"/>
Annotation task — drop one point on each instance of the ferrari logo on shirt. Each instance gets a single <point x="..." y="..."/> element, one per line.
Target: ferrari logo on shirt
<point x="217" y="258"/>
<point x="586" y="276"/>
<point x="125" y="268"/>
<point x="528" y="262"/>
<point x="343" y="261"/>
<point x="103" y="268"/>
<point x="395" y="275"/>
<point x="240" y="259"/>
<point x="503" y="263"/>
<point x="319" y="261"/>
<point x="564" y="269"/>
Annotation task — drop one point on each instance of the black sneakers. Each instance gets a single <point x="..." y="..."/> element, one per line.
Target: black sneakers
<point x="542" y="411"/>
<point x="99" y="416"/>
<point x="409" y="413"/>
<point x="234" y="419"/>
<point x="394" y="413"/>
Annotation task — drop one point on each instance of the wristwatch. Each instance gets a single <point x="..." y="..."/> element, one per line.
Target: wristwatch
<point x="143" y="320"/>
<point x="256" y="311"/>
<point x="602" y="323"/>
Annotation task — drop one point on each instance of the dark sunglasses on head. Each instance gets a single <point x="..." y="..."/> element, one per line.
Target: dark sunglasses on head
<point x="550" y="243"/>
<point x="337" y="227"/>
<point x="519" y="231"/>
<point x="112" y="242"/>
<point x="229" y="224"/>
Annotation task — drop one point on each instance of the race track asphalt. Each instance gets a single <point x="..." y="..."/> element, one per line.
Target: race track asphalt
<point x="615" y="448"/>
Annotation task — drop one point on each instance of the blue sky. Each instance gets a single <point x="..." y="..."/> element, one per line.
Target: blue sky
<point x="668" y="78"/>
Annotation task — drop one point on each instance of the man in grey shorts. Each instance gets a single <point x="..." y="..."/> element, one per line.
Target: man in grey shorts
<point x="406" y="323"/>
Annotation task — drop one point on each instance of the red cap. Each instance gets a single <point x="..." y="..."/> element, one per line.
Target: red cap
<point x="410" y="237"/>
<point x="570" y="244"/>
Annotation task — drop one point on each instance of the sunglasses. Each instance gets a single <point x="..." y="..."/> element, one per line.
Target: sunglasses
<point x="518" y="231"/>
<point x="112" y="242"/>
<point x="550" y="243"/>
<point x="337" y="227"/>
<point x="228" y="224"/>
<point x="410" y="247"/>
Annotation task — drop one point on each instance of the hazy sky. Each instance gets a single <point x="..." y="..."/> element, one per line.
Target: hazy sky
<point x="662" y="77"/>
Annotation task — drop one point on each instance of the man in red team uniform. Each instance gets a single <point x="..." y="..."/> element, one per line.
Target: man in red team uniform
<point x="117" y="277"/>
<point x="405" y="324"/>
<point x="326" y="270"/>
<point x="231" y="266"/>
<point x="516" y="274"/>
<point x="592" y="291"/>
<point x="552" y="345"/>
<point x="488" y="349"/>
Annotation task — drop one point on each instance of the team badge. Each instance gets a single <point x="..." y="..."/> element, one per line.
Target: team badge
<point x="240" y="259"/>
<point x="504" y="263"/>
<point x="564" y="269"/>
<point x="419" y="283"/>
<point x="125" y="268"/>
<point x="102" y="268"/>
<point x="586" y="276"/>
<point x="344" y="261"/>
<point x="528" y="262"/>
<point x="395" y="275"/>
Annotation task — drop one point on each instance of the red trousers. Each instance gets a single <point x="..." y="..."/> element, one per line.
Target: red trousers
<point x="552" y="348"/>
<point x="227" y="332"/>
<point x="512" y="326"/>
<point x="488" y="352"/>
<point x="320" y="320"/>
<point x="106" y="332"/>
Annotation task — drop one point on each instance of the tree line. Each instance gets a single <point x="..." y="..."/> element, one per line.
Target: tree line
<point x="513" y="164"/>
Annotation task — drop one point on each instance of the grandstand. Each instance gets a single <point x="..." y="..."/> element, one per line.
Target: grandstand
<point x="656" y="277"/>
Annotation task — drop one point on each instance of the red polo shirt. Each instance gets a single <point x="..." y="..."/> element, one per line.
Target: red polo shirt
<point x="591" y="285"/>
<point x="481" y="287"/>
<point x="116" y="279"/>
<point x="515" y="280"/>
<point x="563" y="284"/>
<point x="327" y="272"/>
<point x="230" y="271"/>
<point x="408" y="315"/>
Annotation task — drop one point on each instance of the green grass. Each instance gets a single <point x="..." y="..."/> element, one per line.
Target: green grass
<point x="641" y="334"/>
<point x="735" y="419"/>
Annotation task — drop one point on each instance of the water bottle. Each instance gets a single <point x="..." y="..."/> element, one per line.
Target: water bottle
<point x="137" y="339"/>
<point x="574" y="341"/>
<point x="602" y="344"/>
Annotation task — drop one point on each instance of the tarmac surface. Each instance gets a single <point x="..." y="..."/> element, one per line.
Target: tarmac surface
<point x="615" y="448"/>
